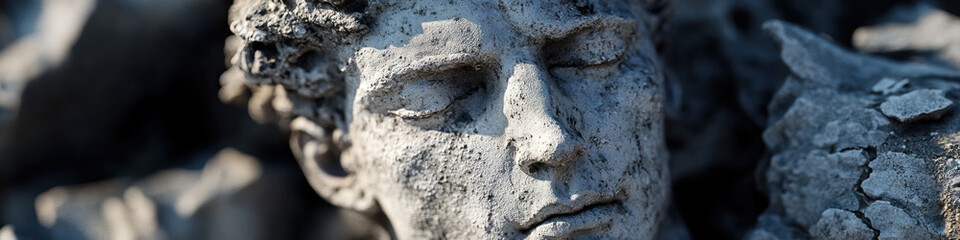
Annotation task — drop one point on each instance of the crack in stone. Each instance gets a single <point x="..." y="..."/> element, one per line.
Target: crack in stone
<point x="862" y="196"/>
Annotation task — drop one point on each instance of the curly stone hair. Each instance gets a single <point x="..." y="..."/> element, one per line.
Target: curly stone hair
<point x="283" y="65"/>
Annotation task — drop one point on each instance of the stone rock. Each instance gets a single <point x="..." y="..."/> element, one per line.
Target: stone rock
<point x="894" y="223"/>
<point x="817" y="182"/>
<point x="820" y="62"/>
<point x="916" y="105"/>
<point x="841" y="224"/>
<point x="895" y="185"/>
<point x="902" y="178"/>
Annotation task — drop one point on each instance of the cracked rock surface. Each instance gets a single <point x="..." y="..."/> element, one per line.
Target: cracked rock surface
<point x="916" y="105"/>
<point x="852" y="156"/>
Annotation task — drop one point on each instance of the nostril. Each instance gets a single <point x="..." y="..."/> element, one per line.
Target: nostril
<point x="536" y="167"/>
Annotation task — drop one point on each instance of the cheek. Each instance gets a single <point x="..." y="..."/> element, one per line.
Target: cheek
<point x="439" y="179"/>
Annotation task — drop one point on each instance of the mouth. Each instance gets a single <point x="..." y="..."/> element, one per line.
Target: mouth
<point x="575" y="220"/>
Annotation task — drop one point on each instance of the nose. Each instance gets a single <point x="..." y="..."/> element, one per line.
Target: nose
<point x="541" y="142"/>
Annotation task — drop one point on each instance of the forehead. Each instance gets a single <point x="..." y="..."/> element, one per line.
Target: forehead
<point x="400" y="20"/>
<point x="552" y="17"/>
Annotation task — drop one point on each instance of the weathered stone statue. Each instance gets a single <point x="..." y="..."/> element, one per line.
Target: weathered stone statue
<point x="477" y="119"/>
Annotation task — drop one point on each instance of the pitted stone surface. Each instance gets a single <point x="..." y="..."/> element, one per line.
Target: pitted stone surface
<point x="818" y="181"/>
<point x="530" y="119"/>
<point x="917" y="105"/>
<point x="894" y="223"/>
<point x="902" y="178"/>
<point x="841" y="224"/>
<point x="839" y="168"/>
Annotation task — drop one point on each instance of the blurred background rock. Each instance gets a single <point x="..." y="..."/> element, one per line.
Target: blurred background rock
<point x="110" y="121"/>
<point x="111" y="126"/>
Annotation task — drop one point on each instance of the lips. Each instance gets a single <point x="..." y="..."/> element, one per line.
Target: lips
<point x="559" y="220"/>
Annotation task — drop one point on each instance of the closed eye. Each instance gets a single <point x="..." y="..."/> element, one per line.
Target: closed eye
<point x="431" y="99"/>
<point x="604" y="42"/>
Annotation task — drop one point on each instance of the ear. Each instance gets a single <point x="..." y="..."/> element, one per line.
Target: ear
<point x="319" y="157"/>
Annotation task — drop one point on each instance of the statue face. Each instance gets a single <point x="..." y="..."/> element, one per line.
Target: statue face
<point x="506" y="119"/>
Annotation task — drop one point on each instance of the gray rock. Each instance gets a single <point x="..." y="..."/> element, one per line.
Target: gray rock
<point x="895" y="223"/>
<point x="916" y="105"/>
<point x="817" y="182"/>
<point x="841" y="224"/>
<point x="811" y="57"/>
<point x="902" y="178"/>
<point x="830" y="109"/>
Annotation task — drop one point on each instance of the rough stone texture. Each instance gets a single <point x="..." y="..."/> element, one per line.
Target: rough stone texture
<point x="837" y="159"/>
<point x="723" y="71"/>
<point x="535" y="119"/>
<point x="841" y="224"/>
<point x="904" y="179"/>
<point x="894" y="223"/>
<point x="818" y="181"/>
<point x="917" y="105"/>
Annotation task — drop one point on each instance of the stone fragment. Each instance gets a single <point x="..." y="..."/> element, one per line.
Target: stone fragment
<point x="895" y="223"/>
<point x="841" y="224"/>
<point x="826" y="118"/>
<point x="902" y="178"/>
<point x="889" y="85"/>
<point x="916" y="105"/>
<point x="823" y="63"/>
<point x="817" y="182"/>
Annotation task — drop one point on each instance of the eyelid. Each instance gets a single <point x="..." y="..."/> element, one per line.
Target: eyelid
<point x="423" y="66"/>
<point x="604" y="41"/>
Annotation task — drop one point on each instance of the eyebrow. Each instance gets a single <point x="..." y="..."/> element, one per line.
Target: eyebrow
<point x="423" y="66"/>
<point x="594" y="22"/>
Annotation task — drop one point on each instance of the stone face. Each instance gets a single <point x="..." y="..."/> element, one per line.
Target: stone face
<point x="841" y="224"/>
<point x="916" y="105"/>
<point x="534" y="119"/>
